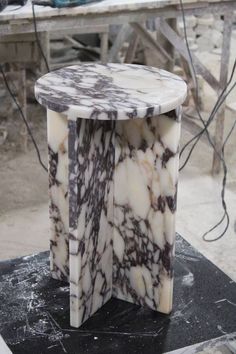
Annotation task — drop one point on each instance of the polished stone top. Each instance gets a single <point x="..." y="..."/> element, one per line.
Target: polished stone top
<point x="110" y="92"/>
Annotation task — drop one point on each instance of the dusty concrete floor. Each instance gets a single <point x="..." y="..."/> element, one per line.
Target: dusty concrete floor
<point x="24" y="223"/>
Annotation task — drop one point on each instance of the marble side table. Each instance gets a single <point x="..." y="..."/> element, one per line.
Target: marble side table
<point x="113" y="136"/>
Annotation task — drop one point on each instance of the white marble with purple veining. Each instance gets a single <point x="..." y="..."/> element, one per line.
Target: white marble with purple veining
<point x="110" y="92"/>
<point x="113" y="182"/>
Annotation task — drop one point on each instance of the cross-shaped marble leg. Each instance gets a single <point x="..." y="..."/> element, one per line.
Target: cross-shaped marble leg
<point x="57" y="128"/>
<point x="120" y="215"/>
<point x="91" y="166"/>
<point x="145" y="190"/>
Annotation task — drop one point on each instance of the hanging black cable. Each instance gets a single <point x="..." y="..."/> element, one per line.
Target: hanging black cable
<point x="23" y="118"/>
<point x="38" y="40"/>
<point x="13" y="97"/>
<point x="218" y="104"/>
<point x="216" y="107"/>
<point x="220" y="101"/>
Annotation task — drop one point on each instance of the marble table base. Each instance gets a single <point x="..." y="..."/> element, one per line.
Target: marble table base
<point x="112" y="209"/>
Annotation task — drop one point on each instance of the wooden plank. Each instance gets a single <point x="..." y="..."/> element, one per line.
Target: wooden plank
<point x="150" y="41"/>
<point x="24" y="52"/>
<point x="67" y="20"/>
<point x="191" y="84"/>
<point x="133" y="43"/>
<point x="169" y="48"/>
<point x="104" y="47"/>
<point x="79" y="30"/>
<point x="121" y="37"/>
<point x="180" y="46"/>
<point x="225" y="57"/>
<point x="45" y="45"/>
<point x="13" y="38"/>
<point x="79" y="45"/>
<point x="104" y="7"/>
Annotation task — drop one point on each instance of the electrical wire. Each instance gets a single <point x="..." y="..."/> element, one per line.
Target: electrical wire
<point x="198" y="136"/>
<point x="38" y="40"/>
<point x="205" y="129"/>
<point x="14" y="99"/>
<point x="223" y="187"/>
<point x="225" y="215"/>
<point x="23" y="118"/>
<point x="212" y="114"/>
<point x="220" y="101"/>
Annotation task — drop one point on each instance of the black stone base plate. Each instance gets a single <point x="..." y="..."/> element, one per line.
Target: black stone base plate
<point x="34" y="311"/>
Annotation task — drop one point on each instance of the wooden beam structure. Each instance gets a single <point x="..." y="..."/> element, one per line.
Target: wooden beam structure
<point x="130" y="54"/>
<point x="150" y="41"/>
<point x="180" y="46"/>
<point x="125" y="12"/>
<point x="122" y="36"/>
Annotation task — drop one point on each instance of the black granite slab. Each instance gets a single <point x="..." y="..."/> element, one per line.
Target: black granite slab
<point x="34" y="311"/>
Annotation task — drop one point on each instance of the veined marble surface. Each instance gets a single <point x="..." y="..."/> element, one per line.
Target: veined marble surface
<point x="110" y="92"/>
<point x="117" y="208"/>
<point x="57" y="129"/>
<point x="113" y="183"/>
<point x="3" y="347"/>
<point x="223" y="345"/>
<point x="145" y="193"/>
<point x="91" y="166"/>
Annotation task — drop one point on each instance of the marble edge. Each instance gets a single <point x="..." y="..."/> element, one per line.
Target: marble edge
<point x="75" y="111"/>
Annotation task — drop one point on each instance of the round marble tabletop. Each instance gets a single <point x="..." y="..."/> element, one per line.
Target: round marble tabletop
<point x="110" y="92"/>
